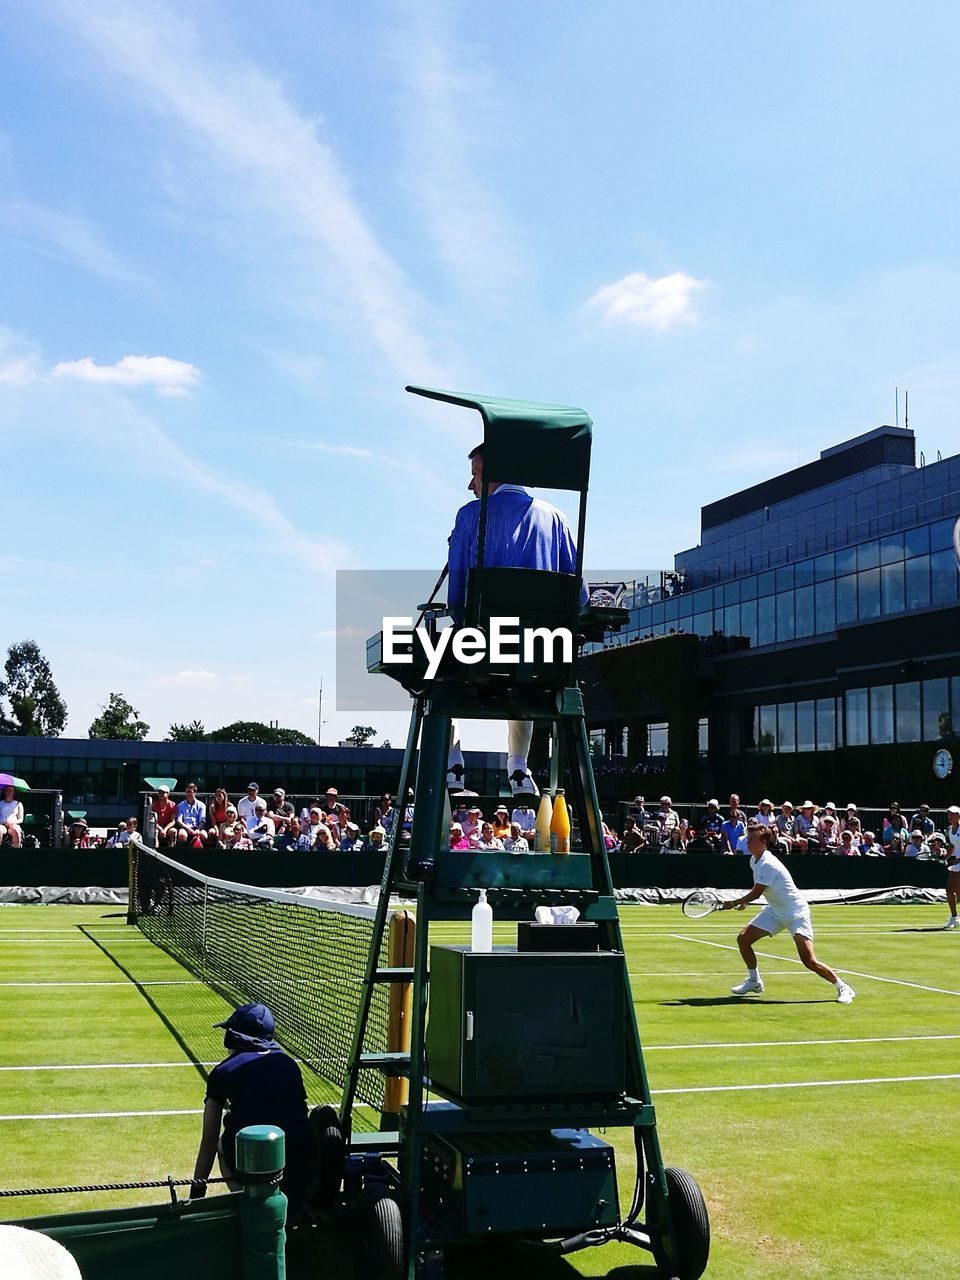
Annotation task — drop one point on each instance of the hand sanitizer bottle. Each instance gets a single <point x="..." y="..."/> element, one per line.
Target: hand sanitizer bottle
<point x="481" y="925"/>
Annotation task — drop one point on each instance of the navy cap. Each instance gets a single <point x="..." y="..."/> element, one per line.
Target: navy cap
<point x="253" y="1022"/>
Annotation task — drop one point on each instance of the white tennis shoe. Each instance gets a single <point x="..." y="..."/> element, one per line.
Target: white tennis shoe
<point x="953" y="923"/>
<point x="845" y="993"/>
<point x="748" y="985"/>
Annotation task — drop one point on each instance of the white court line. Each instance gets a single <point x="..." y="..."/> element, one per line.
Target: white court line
<point x="797" y="1084"/>
<point x="122" y="982"/>
<point x="110" y="1066"/>
<point x="709" y="1088"/>
<point x="647" y="1048"/>
<point x="872" y="977"/>
<point x="779" y="1044"/>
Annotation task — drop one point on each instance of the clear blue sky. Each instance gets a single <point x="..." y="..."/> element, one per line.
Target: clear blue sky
<point x="230" y="233"/>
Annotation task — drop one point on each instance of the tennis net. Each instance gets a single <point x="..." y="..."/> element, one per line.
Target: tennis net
<point x="303" y="957"/>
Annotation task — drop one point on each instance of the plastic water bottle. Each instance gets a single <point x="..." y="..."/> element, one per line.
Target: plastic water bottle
<point x="560" y="825"/>
<point x="541" y="841"/>
<point x="481" y="925"/>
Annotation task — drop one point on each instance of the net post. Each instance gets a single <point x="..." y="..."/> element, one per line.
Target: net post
<point x="403" y="932"/>
<point x="131" y="884"/>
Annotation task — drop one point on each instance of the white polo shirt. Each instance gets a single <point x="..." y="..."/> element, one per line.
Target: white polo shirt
<point x="781" y="893"/>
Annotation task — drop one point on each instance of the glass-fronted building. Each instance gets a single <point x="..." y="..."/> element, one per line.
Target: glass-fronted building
<point x="813" y="631"/>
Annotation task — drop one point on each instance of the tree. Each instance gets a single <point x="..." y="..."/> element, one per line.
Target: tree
<point x="36" y="708"/>
<point x="118" y="719"/>
<point x="192" y="732"/>
<point x="361" y="734"/>
<point x="254" y="731"/>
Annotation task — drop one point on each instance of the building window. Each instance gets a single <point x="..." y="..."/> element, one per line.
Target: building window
<point x="891" y="588"/>
<point x="847" y="599"/>
<point x="936" y="710"/>
<point x="943" y="576"/>
<point x="868" y="591"/>
<point x="768" y="728"/>
<point x="857" y="724"/>
<point x="703" y="735"/>
<point x="917" y="574"/>
<point x="787" y="726"/>
<point x="658" y="739"/>
<point x="908" y="712"/>
<point x="803" y="609"/>
<point x="806" y="726"/>
<point x="748" y="621"/>
<point x="767" y="620"/>
<point x="785" y="617"/>
<point x="881" y="714"/>
<point x="826" y="724"/>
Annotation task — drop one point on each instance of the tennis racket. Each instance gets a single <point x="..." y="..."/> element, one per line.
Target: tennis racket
<point x="700" y="903"/>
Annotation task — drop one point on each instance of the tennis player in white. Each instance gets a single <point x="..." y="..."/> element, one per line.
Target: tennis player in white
<point x="786" y="909"/>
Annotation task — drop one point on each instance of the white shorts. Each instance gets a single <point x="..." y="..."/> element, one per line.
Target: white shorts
<point x="770" y="922"/>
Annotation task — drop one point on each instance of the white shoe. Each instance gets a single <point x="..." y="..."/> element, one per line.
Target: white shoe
<point x="845" y="993"/>
<point x="748" y="985"/>
<point x="953" y="923"/>
<point x="522" y="783"/>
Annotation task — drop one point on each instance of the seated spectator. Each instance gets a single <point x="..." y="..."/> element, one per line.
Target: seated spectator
<point x="786" y="825"/>
<point x="710" y="825"/>
<point x="306" y="811"/>
<point x="237" y="837"/>
<point x="488" y="839"/>
<point x="734" y="809"/>
<point x="264" y="829"/>
<point x="230" y="821"/>
<point x="458" y="841"/>
<point x="667" y="818"/>
<point x="828" y="833"/>
<point x="896" y="846"/>
<point x="733" y="831"/>
<point x="850" y="818"/>
<point x="123" y="833"/>
<point x="217" y="811"/>
<point x="675" y="840"/>
<point x="894" y="825"/>
<point x="332" y="806"/>
<point x="376" y="840"/>
<point x="921" y="821"/>
<point x="633" y="835"/>
<point x="916" y="845"/>
<point x="527" y="820"/>
<point x="280" y="809"/>
<point x="869" y="847"/>
<point x="805" y="829"/>
<point x="350" y="839"/>
<point x="11" y="817"/>
<point x="288" y="837"/>
<point x="326" y="841"/>
<point x="77" y="836"/>
<point x="383" y="813"/>
<point x="848" y="848"/>
<point x="516" y="842"/>
<point x="765" y="815"/>
<point x="501" y="822"/>
<point x="471" y="828"/>
<point x="938" y="846"/>
<point x="639" y="812"/>
<point x="246" y="806"/>
<point x="165" y="814"/>
<point x="191" y="818"/>
<point x="313" y="827"/>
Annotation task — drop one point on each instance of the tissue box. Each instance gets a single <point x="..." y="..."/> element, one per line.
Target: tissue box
<point x="582" y="936"/>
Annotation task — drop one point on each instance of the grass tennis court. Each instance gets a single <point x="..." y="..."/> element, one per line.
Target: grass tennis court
<point x="825" y="1138"/>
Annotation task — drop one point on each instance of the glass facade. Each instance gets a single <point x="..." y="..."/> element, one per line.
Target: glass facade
<point x="876" y="715"/>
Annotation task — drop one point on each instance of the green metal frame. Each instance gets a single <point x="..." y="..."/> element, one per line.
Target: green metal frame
<point x="532" y="444"/>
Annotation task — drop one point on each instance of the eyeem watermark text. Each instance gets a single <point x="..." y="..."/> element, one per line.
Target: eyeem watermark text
<point x="505" y="643"/>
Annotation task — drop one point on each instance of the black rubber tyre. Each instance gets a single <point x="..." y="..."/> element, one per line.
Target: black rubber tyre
<point x="378" y="1254"/>
<point x="691" y="1227"/>
<point x="331" y="1153"/>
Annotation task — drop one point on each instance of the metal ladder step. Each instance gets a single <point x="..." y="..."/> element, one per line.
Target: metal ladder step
<point x="391" y="1064"/>
<point x="387" y="1141"/>
<point x="393" y="975"/>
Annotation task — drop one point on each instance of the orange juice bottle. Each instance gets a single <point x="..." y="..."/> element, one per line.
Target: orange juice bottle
<point x="541" y="842"/>
<point x="560" y="825"/>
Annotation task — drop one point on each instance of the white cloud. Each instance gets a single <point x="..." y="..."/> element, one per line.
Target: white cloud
<point x="649" y="302"/>
<point x="187" y="680"/>
<point x="71" y="238"/>
<point x="19" y="360"/>
<point x="168" y="377"/>
<point x="276" y="164"/>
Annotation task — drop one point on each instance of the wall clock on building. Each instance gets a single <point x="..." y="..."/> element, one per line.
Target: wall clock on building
<point x="943" y="763"/>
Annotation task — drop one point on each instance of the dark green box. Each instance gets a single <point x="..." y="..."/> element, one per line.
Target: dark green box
<point x="517" y="1027"/>
<point x="536" y="1184"/>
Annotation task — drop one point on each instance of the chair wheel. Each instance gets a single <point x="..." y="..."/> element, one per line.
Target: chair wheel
<point x="378" y="1245"/>
<point x="331" y="1153"/>
<point x="691" y="1228"/>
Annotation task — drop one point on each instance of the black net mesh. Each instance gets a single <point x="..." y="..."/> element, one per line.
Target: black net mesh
<point x="303" y="957"/>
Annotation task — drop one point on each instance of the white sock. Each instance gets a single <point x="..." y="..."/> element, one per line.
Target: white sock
<point x="514" y="763"/>
<point x="754" y="975"/>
